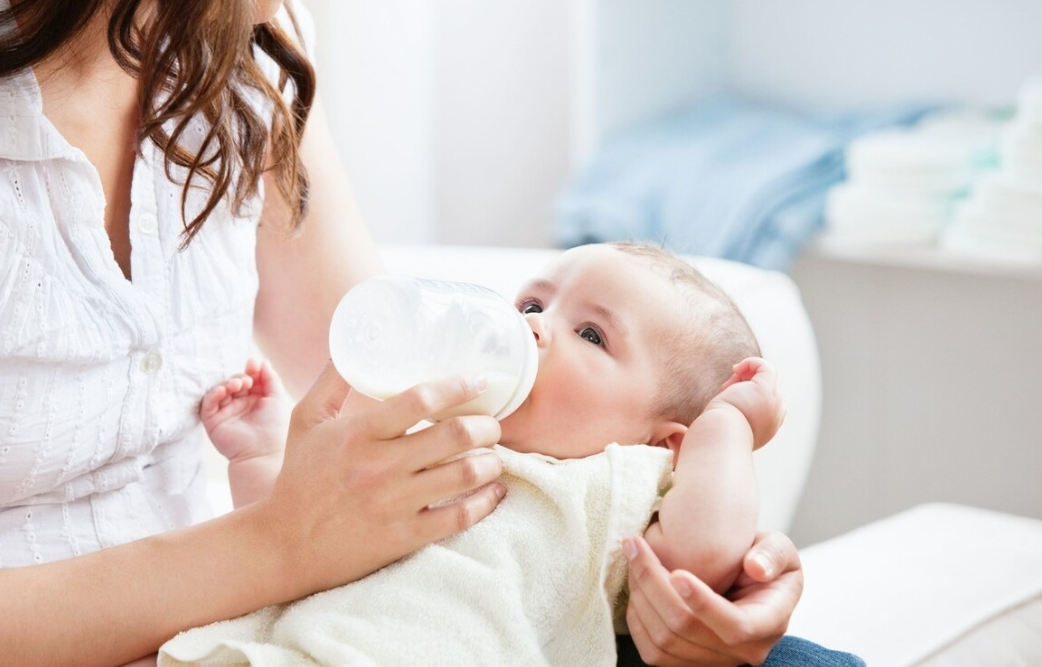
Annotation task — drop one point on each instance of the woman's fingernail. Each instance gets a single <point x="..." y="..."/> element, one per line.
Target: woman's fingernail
<point x="479" y="382"/>
<point x="764" y="562"/>
<point x="629" y="547"/>
<point x="500" y="491"/>
<point x="682" y="587"/>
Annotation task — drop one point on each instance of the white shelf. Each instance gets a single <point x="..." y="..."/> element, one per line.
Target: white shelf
<point x="924" y="257"/>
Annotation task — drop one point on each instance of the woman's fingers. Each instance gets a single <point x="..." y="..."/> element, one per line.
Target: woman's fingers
<point x="455" y="478"/>
<point x="391" y="418"/>
<point x="655" y="640"/>
<point x="659" y="644"/>
<point x="720" y="616"/>
<point x="749" y="624"/>
<point x="399" y="413"/>
<point x="772" y="554"/>
<point x="447" y="439"/>
<point x="653" y="598"/>
<point x="449" y="518"/>
<point x="351" y="477"/>
<point x="680" y="620"/>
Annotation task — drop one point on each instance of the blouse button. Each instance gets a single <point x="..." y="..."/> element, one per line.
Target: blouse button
<point x="147" y="223"/>
<point x="151" y="363"/>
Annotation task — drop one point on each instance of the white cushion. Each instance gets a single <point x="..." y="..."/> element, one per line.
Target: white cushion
<point x="936" y="585"/>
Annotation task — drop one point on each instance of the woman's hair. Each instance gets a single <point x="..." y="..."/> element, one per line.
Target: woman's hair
<point x="707" y="337"/>
<point x="193" y="58"/>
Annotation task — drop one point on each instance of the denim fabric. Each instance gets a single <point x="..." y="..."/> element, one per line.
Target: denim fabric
<point x="796" y="652"/>
<point x="789" y="652"/>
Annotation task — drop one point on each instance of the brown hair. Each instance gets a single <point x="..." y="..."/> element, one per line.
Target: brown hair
<point x="193" y="58"/>
<point x="708" y="339"/>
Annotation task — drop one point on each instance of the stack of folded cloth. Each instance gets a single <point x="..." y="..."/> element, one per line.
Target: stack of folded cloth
<point x="904" y="185"/>
<point x="724" y="179"/>
<point x="1002" y="217"/>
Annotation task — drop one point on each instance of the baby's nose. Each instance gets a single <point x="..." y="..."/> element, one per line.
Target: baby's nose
<point x="536" y="323"/>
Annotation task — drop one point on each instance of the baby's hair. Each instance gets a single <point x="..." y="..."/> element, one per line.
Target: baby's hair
<point x="707" y="340"/>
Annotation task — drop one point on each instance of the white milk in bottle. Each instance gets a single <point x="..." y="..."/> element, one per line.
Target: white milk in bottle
<point x="390" y="333"/>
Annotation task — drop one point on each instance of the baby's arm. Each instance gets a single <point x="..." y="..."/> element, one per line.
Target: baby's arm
<point x="247" y="418"/>
<point x="708" y="518"/>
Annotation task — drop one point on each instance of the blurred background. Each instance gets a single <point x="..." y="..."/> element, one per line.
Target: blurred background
<point x="887" y="154"/>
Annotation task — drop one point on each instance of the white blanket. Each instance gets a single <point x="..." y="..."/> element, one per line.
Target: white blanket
<point x="533" y="584"/>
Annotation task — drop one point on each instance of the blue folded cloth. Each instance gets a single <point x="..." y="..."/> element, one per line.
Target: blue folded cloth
<point x="726" y="179"/>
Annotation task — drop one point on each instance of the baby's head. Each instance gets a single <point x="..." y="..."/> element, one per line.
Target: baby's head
<point x="633" y="343"/>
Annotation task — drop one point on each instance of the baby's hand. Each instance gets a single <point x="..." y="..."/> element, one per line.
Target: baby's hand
<point x="246" y="416"/>
<point x="753" y="390"/>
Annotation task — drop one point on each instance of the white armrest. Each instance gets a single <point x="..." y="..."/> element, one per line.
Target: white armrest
<point x="935" y="585"/>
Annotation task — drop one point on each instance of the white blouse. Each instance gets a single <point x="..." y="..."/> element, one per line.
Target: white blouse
<point x="100" y="376"/>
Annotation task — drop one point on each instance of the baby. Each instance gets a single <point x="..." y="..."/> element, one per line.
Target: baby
<point x="635" y="347"/>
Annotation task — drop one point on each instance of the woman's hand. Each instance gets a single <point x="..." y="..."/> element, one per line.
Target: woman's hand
<point x="356" y="494"/>
<point x="678" y="621"/>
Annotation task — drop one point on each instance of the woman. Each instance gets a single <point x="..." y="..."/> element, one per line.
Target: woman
<point x="126" y="293"/>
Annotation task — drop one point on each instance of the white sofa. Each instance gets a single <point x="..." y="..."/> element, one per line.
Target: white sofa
<point x="934" y="585"/>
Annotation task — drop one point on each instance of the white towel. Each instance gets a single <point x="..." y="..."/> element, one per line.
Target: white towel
<point x="532" y="584"/>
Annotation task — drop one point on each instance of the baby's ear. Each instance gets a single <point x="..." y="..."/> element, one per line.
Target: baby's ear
<point x="668" y="434"/>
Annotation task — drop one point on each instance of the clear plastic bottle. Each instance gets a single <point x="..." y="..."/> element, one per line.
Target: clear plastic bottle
<point x="390" y="333"/>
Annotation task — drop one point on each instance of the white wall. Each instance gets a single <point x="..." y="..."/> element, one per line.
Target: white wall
<point x="823" y="53"/>
<point x="501" y="146"/>
<point x="451" y="115"/>
<point x="814" y="54"/>
<point x="376" y="80"/>
<point x="646" y="59"/>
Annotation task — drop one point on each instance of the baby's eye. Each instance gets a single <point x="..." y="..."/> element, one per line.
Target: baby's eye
<point x="590" y="334"/>
<point x="530" y="307"/>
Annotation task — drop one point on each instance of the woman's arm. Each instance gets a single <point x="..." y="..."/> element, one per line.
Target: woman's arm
<point x="353" y="496"/>
<point x="303" y="276"/>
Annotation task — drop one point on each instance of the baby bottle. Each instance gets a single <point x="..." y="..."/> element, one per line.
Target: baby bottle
<point x="392" y="332"/>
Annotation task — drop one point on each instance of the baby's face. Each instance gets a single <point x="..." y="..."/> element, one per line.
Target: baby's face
<point x="599" y="317"/>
